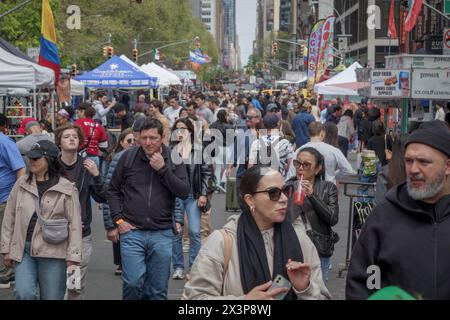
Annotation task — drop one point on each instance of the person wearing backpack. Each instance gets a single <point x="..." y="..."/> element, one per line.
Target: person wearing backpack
<point x="271" y="149"/>
<point x="141" y="197"/>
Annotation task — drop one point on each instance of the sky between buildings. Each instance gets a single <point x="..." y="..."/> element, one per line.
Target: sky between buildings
<point x="246" y="27"/>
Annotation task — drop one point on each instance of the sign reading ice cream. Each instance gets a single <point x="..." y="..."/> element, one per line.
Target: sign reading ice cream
<point x="390" y="83"/>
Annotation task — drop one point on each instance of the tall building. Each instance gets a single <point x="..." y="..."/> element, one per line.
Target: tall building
<point x="371" y="45"/>
<point x="196" y="6"/>
<point x="229" y="30"/>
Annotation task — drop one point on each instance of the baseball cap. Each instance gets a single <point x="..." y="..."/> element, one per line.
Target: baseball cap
<point x="138" y="123"/>
<point x="271" y="121"/>
<point x="23" y="125"/>
<point x="43" y="148"/>
<point x="272" y="107"/>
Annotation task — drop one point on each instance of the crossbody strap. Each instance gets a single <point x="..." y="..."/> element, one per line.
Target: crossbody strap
<point x="37" y="206"/>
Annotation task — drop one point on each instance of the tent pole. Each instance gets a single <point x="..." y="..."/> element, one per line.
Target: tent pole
<point x="34" y="104"/>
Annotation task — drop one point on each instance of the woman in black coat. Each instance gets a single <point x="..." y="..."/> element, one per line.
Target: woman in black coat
<point x="320" y="208"/>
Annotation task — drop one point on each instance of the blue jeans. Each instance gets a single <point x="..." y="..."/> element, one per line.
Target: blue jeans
<point x="47" y="273"/>
<point x="194" y="221"/>
<point x="146" y="263"/>
<point x="325" y="267"/>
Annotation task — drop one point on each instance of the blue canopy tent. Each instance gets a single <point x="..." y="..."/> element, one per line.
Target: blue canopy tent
<point x="117" y="73"/>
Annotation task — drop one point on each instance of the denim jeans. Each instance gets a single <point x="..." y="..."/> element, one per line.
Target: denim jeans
<point x="194" y="219"/>
<point x="146" y="264"/>
<point x="325" y="267"/>
<point x="47" y="273"/>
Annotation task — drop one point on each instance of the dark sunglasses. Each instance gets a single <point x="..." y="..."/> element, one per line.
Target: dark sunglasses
<point x="274" y="110"/>
<point x="250" y="117"/>
<point x="275" y="193"/>
<point x="305" y="165"/>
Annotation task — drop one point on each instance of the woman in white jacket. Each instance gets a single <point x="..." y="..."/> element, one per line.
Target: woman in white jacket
<point x="264" y="244"/>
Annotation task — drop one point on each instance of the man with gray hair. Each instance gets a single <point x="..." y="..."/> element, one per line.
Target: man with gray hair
<point x="34" y="134"/>
<point x="405" y="240"/>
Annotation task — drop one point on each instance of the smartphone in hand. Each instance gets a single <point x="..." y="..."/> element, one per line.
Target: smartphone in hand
<point x="281" y="282"/>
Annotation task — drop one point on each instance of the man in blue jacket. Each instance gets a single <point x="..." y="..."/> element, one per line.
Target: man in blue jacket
<point x="300" y="125"/>
<point x="141" y="197"/>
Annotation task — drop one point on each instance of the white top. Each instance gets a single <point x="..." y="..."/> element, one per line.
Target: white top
<point x="281" y="147"/>
<point x="172" y="115"/>
<point x="440" y="114"/>
<point x="335" y="161"/>
<point x="101" y="112"/>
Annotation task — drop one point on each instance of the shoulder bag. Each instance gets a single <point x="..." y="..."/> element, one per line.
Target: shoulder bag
<point x="54" y="231"/>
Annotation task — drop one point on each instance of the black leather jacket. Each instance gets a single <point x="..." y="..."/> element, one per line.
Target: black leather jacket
<point x="200" y="179"/>
<point x="321" y="208"/>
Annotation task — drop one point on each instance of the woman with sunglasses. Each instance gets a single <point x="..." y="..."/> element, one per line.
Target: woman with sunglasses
<point x="200" y="173"/>
<point x="44" y="194"/>
<point x="125" y="142"/>
<point x="320" y="209"/>
<point x="263" y="244"/>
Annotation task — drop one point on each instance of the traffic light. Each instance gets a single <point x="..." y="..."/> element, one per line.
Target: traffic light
<point x="110" y="52"/>
<point x="134" y="54"/>
<point x="274" y="47"/>
<point x="73" y="73"/>
<point x="301" y="50"/>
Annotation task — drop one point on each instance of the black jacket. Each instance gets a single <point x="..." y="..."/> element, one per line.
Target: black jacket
<point x="127" y="121"/>
<point x="200" y="181"/>
<point x="145" y="197"/>
<point x="88" y="186"/>
<point x="409" y="241"/>
<point x="321" y="208"/>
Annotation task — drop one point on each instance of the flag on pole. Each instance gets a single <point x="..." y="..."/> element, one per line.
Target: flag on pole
<point x="48" y="56"/>
<point x="414" y="8"/>
<point x="198" y="57"/>
<point x="392" y="30"/>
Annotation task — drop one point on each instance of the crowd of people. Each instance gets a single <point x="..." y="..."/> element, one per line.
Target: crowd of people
<point x="155" y="181"/>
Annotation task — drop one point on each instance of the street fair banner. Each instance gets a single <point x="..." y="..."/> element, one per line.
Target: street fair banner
<point x="325" y="43"/>
<point x="313" y="53"/>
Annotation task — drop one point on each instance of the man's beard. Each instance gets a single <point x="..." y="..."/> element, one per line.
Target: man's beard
<point x="430" y="190"/>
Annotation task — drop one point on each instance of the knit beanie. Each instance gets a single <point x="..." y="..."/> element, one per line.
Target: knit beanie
<point x="434" y="134"/>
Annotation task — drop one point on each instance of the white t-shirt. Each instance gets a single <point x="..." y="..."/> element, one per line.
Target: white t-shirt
<point x="172" y="114"/>
<point x="282" y="148"/>
<point x="335" y="160"/>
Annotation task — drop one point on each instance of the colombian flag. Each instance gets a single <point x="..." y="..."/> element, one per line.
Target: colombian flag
<point x="48" y="56"/>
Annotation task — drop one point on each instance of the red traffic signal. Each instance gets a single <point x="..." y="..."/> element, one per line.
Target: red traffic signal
<point x="134" y="54"/>
<point x="110" y="52"/>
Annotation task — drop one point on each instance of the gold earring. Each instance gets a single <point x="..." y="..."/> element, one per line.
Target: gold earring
<point x="252" y="209"/>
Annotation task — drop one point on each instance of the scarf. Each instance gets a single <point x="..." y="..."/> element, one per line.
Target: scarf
<point x="253" y="263"/>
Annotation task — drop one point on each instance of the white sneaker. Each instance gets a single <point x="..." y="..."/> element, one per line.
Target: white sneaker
<point x="178" y="274"/>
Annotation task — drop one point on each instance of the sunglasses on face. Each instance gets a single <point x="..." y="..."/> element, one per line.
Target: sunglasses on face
<point x="304" y="164"/>
<point x="275" y="193"/>
<point x="250" y="117"/>
<point x="274" y="110"/>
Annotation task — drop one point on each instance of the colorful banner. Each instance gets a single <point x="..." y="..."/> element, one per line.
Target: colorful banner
<point x="415" y="6"/>
<point x="313" y="53"/>
<point x="48" y="56"/>
<point x="325" y="43"/>
<point x="198" y="57"/>
<point x="392" y="30"/>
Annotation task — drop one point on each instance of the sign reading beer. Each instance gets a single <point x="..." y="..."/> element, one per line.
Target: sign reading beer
<point x="389" y="83"/>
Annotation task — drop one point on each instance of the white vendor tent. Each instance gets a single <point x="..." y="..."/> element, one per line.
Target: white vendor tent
<point x="344" y="83"/>
<point x="165" y="77"/>
<point x="76" y="88"/>
<point x="20" y="73"/>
